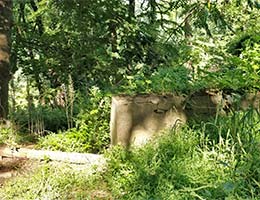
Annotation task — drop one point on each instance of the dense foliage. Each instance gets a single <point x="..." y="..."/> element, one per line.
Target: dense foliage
<point x="68" y="58"/>
<point x="91" y="132"/>
<point x="218" y="159"/>
<point x="106" y="43"/>
<point x="61" y="49"/>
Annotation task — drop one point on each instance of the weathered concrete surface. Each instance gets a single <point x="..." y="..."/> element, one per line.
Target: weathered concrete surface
<point x="206" y="103"/>
<point x="251" y="100"/>
<point x="136" y="119"/>
<point x="70" y="157"/>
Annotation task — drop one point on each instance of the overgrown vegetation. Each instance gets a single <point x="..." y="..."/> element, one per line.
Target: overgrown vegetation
<point x="52" y="181"/>
<point x="91" y="133"/>
<point x="61" y="51"/>
<point x="67" y="59"/>
<point x="213" y="160"/>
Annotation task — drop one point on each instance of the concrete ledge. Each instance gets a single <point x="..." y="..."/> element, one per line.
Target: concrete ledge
<point x="79" y="158"/>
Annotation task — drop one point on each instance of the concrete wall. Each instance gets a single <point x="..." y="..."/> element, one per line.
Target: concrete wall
<point x="206" y="103"/>
<point x="136" y="119"/>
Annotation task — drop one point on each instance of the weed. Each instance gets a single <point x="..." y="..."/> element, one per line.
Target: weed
<point x="91" y="133"/>
<point x="52" y="181"/>
<point x="219" y="159"/>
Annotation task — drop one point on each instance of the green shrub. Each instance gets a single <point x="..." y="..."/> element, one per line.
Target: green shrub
<point x="163" y="80"/>
<point x="6" y="134"/>
<point x="41" y="118"/>
<point x="91" y="133"/>
<point x="201" y="163"/>
<point x="10" y="136"/>
<point x="173" y="168"/>
<point x="171" y="79"/>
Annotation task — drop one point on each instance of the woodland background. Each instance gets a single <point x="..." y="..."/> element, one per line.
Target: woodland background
<point x="62" y="60"/>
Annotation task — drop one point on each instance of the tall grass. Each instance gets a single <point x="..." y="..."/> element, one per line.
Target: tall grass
<point x="213" y="160"/>
<point x="52" y="181"/>
<point x="219" y="159"/>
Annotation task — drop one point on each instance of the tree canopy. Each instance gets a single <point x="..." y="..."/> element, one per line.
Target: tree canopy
<point x="134" y="46"/>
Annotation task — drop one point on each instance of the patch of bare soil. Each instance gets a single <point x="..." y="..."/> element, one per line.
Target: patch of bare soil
<point x="10" y="167"/>
<point x="14" y="166"/>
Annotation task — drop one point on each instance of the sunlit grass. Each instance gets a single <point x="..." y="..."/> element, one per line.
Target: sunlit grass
<point x="219" y="159"/>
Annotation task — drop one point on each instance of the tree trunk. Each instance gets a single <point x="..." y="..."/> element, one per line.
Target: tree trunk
<point x="131" y="9"/>
<point x="5" y="47"/>
<point x="131" y="16"/>
<point x="152" y="13"/>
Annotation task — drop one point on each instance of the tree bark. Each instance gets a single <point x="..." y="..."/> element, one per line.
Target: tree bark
<point x="5" y="47"/>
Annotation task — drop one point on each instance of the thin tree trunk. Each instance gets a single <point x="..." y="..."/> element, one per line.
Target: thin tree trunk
<point x="5" y="47"/>
<point x="131" y="16"/>
<point x="152" y="4"/>
<point x="131" y="9"/>
<point x="38" y="80"/>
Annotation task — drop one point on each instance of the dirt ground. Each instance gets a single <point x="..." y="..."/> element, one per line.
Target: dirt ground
<point x="10" y="167"/>
<point x="13" y="166"/>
